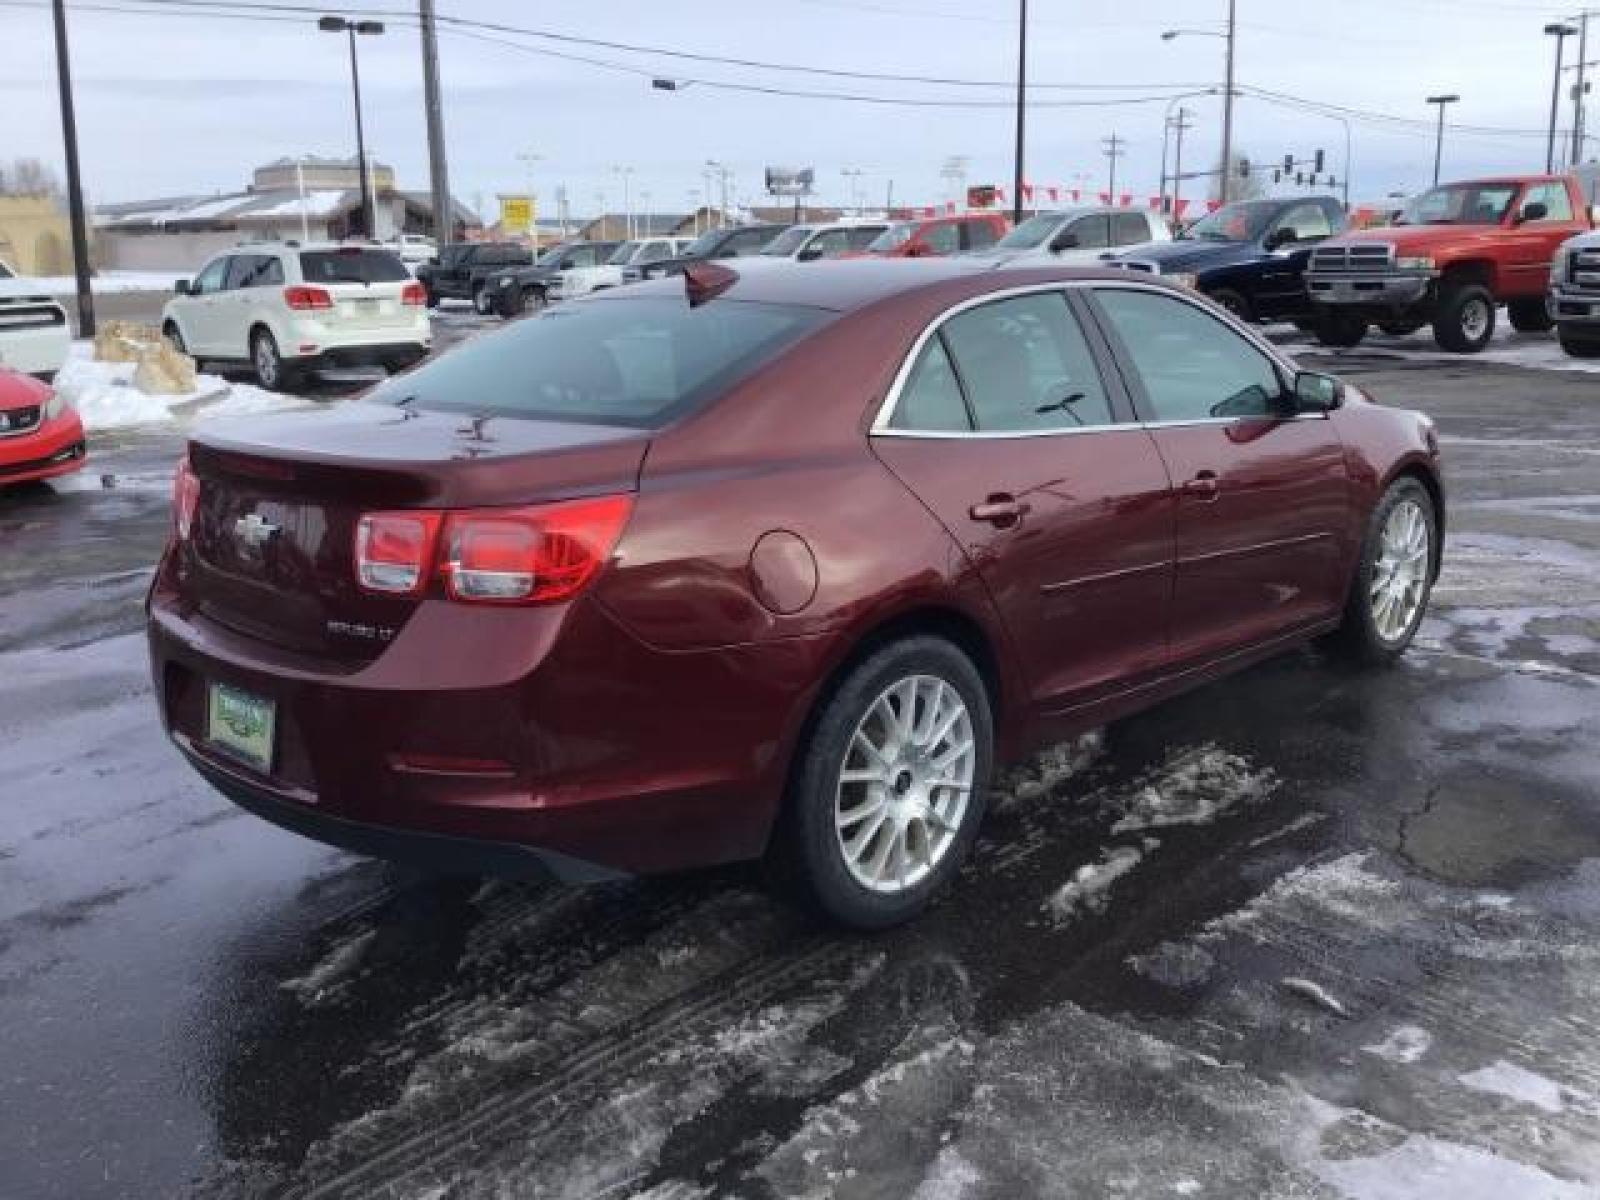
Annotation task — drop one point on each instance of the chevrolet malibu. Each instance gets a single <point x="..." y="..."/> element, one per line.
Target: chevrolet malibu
<point x="716" y="568"/>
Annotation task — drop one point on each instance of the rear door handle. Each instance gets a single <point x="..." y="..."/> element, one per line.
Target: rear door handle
<point x="1000" y="510"/>
<point x="1203" y="487"/>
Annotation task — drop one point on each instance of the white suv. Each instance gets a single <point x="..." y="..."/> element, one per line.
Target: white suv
<point x="287" y="308"/>
<point x="637" y="252"/>
<point x="34" y="333"/>
<point x="1078" y="237"/>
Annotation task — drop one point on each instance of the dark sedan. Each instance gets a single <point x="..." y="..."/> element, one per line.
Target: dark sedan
<point x="718" y="567"/>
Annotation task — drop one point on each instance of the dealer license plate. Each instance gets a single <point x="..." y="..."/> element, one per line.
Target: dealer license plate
<point x="241" y="725"/>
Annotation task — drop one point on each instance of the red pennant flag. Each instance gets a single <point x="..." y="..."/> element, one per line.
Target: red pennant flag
<point x="1213" y="205"/>
<point x="1105" y="197"/>
<point x="950" y="206"/>
<point x="1055" y="193"/>
<point x="1155" y="203"/>
<point x="1126" y="200"/>
<point x="1178" y="208"/>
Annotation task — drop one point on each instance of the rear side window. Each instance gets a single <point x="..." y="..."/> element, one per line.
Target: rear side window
<point x="931" y="400"/>
<point x="352" y="264"/>
<point x="255" y="270"/>
<point x="629" y="361"/>
<point x="944" y="238"/>
<point x="860" y="239"/>
<point x="979" y="234"/>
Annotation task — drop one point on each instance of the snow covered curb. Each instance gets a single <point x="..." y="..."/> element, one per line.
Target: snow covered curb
<point x="104" y="395"/>
<point x="109" y="282"/>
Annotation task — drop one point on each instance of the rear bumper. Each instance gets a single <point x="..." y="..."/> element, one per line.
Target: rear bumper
<point x="600" y="749"/>
<point x="56" y="448"/>
<point x="1369" y="291"/>
<point x="40" y="350"/>
<point x="1567" y="307"/>
<point x="373" y="354"/>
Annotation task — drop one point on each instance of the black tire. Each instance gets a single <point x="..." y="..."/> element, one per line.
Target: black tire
<point x="1341" y="329"/>
<point x="1358" y="637"/>
<point x="482" y="301"/>
<point x="174" y="337"/>
<point x="511" y="301"/>
<point x="430" y="298"/>
<point x="271" y="372"/>
<point x="1576" y="345"/>
<point x="1529" y="316"/>
<point x="1305" y="325"/>
<point x="809" y="844"/>
<point x="1464" y="321"/>
<point x="1400" y="328"/>
<point x="1234" y="303"/>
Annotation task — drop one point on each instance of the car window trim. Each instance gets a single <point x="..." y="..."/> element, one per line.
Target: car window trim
<point x="1285" y="370"/>
<point x="1123" y="417"/>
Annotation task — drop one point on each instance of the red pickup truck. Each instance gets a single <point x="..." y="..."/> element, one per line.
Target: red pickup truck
<point x="1455" y="255"/>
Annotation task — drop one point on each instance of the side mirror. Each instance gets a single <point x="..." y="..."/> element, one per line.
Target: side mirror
<point x="1282" y="236"/>
<point x="810" y="253"/>
<point x="1535" y="211"/>
<point x="1314" y="393"/>
<point x="183" y="288"/>
<point x="1064" y="241"/>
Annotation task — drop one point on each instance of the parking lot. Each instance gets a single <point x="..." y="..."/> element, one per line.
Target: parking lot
<point x="1308" y="932"/>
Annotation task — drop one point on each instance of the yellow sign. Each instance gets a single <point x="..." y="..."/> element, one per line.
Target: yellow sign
<point x="518" y="213"/>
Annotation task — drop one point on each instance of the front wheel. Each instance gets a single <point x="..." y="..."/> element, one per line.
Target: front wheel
<point x="1394" y="578"/>
<point x="1465" y="320"/>
<point x="1577" y="345"/>
<point x="511" y="302"/>
<point x="1529" y="316"/>
<point x="889" y="788"/>
<point x="482" y="301"/>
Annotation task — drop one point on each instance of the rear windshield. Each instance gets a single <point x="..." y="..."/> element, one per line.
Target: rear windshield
<point x="625" y="360"/>
<point x="352" y="264"/>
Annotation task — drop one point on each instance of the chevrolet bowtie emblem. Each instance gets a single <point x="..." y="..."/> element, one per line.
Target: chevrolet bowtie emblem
<point x="253" y="531"/>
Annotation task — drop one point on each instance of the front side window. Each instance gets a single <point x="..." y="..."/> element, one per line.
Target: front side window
<point x="1032" y="233"/>
<point x="630" y="361"/>
<point x="1087" y="233"/>
<point x="1244" y="221"/>
<point x="255" y="270"/>
<point x="623" y="254"/>
<point x="747" y="242"/>
<point x="862" y="236"/>
<point x="893" y="237"/>
<point x="1557" y="204"/>
<point x="830" y="243"/>
<point x="1192" y="366"/>
<point x="787" y="242"/>
<point x="1461" y="204"/>
<point x="1308" y="222"/>
<point x="211" y="277"/>
<point x="654" y="252"/>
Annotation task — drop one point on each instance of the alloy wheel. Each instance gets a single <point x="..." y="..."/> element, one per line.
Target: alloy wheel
<point x="1475" y="318"/>
<point x="266" y="362"/>
<point x="1400" y="576"/>
<point x="904" y="783"/>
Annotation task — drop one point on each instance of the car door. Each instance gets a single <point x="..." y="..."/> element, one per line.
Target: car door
<point x="1279" y="289"/>
<point x="231" y="311"/>
<point x="1263" y="502"/>
<point x="199" y="318"/>
<point x="1005" y="424"/>
<point x="1536" y="235"/>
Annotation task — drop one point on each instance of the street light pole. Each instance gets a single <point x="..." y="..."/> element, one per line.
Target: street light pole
<point x="1579" y="105"/>
<point x="69" y="132"/>
<point x="444" y="210"/>
<point x="1227" y="110"/>
<point x="346" y="26"/>
<point x="1022" y="106"/>
<point x="1559" y="30"/>
<point x="1438" y="144"/>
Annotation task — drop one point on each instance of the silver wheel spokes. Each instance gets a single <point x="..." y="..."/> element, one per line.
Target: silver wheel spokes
<point x="904" y="783"/>
<point x="266" y="365"/>
<point x="1475" y="319"/>
<point x="1400" y="576"/>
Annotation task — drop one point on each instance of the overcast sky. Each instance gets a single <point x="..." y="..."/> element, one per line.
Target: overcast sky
<point x="189" y="102"/>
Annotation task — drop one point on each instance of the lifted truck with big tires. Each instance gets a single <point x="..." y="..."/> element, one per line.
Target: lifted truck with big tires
<point x="1456" y="253"/>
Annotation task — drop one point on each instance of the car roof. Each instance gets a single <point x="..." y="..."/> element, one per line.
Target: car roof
<point x="847" y="284"/>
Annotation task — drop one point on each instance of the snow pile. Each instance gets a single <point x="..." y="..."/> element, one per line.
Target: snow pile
<point x="1519" y="1084"/>
<point x="109" y="282"/>
<point x="327" y="979"/>
<point x="1195" y="788"/>
<point x="1046" y="771"/>
<point x="1086" y="890"/>
<point x="1405" y="1045"/>
<point x="104" y="395"/>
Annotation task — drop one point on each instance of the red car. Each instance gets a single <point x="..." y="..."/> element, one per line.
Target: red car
<point x="704" y="568"/>
<point x="40" y="435"/>
<point x="938" y="236"/>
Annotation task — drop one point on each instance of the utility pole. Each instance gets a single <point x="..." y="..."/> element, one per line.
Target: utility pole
<point x="1579" y="104"/>
<point x="69" y="133"/>
<point x="444" y="209"/>
<point x="1179" y="126"/>
<point x="1438" y="144"/>
<point x="1227" y="108"/>
<point x="1114" y="149"/>
<point x="1022" y="106"/>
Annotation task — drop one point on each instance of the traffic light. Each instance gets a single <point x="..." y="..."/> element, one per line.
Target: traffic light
<point x="1288" y="163"/>
<point x="1277" y="175"/>
<point x="1299" y="179"/>
<point x="1244" y="168"/>
<point x="1317" y="164"/>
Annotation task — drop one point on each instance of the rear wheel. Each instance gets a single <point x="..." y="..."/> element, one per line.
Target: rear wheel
<point x="1465" y="320"/>
<point x="1529" y="316"/>
<point x="429" y="296"/>
<point x="482" y="301"/>
<point x="1579" y="345"/>
<point x="1341" y="329"/>
<point x="889" y="787"/>
<point x="271" y="371"/>
<point x="1389" y="593"/>
<point x="1233" y="302"/>
<point x="511" y="302"/>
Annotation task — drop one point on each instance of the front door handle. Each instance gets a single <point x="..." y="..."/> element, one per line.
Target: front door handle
<point x="1000" y="510"/>
<point x="1203" y="487"/>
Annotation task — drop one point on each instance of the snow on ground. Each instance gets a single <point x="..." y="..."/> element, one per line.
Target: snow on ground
<point x="104" y="395"/>
<point x="1536" y="351"/>
<point x="1195" y="788"/>
<point x="1087" y="890"/>
<point x="107" y="282"/>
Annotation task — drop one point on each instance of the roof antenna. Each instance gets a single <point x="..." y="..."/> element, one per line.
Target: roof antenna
<point x="704" y="281"/>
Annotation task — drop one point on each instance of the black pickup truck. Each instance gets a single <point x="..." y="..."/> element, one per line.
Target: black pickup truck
<point x="462" y="270"/>
<point x="512" y="290"/>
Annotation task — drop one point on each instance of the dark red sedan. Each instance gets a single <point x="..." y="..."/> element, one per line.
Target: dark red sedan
<point x="702" y="569"/>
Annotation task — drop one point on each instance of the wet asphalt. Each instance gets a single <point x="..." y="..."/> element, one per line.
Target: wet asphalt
<point x="1306" y="932"/>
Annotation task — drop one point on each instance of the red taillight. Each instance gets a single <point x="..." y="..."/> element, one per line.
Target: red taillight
<point x="393" y="551"/>
<point x="535" y="555"/>
<point x="185" y="498"/>
<point x="414" y="294"/>
<point x="301" y="297"/>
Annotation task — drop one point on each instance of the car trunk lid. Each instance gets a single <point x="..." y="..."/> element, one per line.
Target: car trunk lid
<point x="271" y="550"/>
